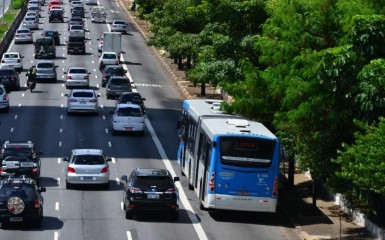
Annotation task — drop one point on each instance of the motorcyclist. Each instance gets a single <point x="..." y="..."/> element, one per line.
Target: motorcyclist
<point x="31" y="74"/>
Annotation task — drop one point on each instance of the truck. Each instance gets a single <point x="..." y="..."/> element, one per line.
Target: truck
<point x="112" y="42"/>
<point x="98" y="14"/>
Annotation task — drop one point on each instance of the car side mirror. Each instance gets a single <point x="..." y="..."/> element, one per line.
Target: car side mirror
<point x="42" y="189"/>
<point x="122" y="52"/>
<point x="176" y="179"/>
<point x="66" y="94"/>
<point x="65" y="72"/>
<point x="56" y="66"/>
<point x="143" y="99"/>
<point x="108" y="160"/>
<point x="123" y="178"/>
<point x="65" y="159"/>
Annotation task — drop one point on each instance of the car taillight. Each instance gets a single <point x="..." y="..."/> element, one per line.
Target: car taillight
<point x="275" y="188"/>
<point x="93" y="100"/>
<point x="14" y="79"/>
<point x="72" y="100"/>
<point x="18" y="60"/>
<point x="36" y="203"/>
<point x="5" y="96"/>
<point x="34" y="170"/>
<point x="69" y="77"/>
<point x="29" y="35"/>
<point x="104" y="170"/>
<point x="3" y="61"/>
<point x="117" y="62"/>
<point x="1" y="170"/>
<point x="174" y="206"/>
<point x="85" y="77"/>
<point x="170" y="190"/>
<point x="135" y="190"/>
<point x="212" y="182"/>
<point x="17" y="35"/>
<point x="131" y="205"/>
<point x="104" y="76"/>
<point x="70" y="169"/>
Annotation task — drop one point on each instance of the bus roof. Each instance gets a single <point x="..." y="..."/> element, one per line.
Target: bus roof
<point x="199" y="108"/>
<point x="235" y="126"/>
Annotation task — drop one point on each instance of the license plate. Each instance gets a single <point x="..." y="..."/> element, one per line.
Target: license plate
<point x="128" y="129"/>
<point x="82" y="102"/>
<point x="16" y="219"/>
<point x="87" y="178"/>
<point x="26" y="164"/>
<point x="153" y="196"/>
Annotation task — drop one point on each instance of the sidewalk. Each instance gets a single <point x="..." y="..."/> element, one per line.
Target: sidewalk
<point x="327" y="221"/>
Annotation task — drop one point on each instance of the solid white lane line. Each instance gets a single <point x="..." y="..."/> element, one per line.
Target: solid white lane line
<point x="182" y="195"/>
<point x="58" y="181"/>
<point x="121" y="205"/>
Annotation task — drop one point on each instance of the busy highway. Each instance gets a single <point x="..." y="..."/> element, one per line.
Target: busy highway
<point x="89" y="212"/>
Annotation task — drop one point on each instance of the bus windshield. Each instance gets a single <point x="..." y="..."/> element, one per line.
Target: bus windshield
<point x="246" y="152"/>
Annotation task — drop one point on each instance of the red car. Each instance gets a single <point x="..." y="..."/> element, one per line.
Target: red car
<point x="53" y="2"/>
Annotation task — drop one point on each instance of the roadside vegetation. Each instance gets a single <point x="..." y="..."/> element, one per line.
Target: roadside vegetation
<point x="10" y="16"/>
<point x="311" y="70"/>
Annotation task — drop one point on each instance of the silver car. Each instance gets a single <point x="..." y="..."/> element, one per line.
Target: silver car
<point x="119" y="26"/>
<point x="117" y="85"/>
<point x="46" y="69"/>
<point x="77" y="31"/>
<point x="87" y="166"/>
<point x="31" y="22"/>
<point x="82" y="100"/>
<point x="23" y="35"/>
<point x="77" y="77"/>
<point x="4" y="99"/>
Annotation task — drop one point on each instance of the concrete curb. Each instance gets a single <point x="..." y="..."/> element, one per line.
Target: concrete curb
<point x="156" y="52"/>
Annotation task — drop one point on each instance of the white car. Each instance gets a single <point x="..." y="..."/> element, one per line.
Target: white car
<point x="12" y="59"/>
<point x="87" y="166"/>
<point x="56" y="7"/>
<point x="119" y="26"/>
<point x="32" y="14"/>
<point x="82" y="101"/>
<point x="77" y="31"/>
<point x="100" y="44"/>
<point x="31" y="22"/>
<point x="76" y="3"/>
<point x="77" y="77"/>
<point x="34" y="9"/>
<point x="108" y="58"/>
<point x="127" y="118"/>
<point x="4" y="99"/>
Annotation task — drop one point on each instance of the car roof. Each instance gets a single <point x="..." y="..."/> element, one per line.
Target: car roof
<point x="77" y="68"/>
<point x="44" y="61"/>
<point x="82" y="90"/>
<point x="152" y="172"/>
<point x="87" y="151"/>
<point x="109" y="53"/>
<point x="17" y="143"/>
<point x="127" y="105"/>
<point x="113" y="66"/>
<point x="6" y="67"/>
<point x="12" y="53"/>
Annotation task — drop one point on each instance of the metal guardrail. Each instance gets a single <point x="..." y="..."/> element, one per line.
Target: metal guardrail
<point x="8" y="37"/>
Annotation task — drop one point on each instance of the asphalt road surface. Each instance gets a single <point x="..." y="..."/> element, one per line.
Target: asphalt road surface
<point x="91" y="213"/>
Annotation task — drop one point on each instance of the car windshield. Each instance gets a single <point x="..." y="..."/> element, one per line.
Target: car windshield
<point x="44" y="65"/>
<point x="83" y="94"/>
<point x="88" y="160"/>
<point x="119" y="81"/>
<point x="128" y="111"/>
<point x="26" y="192"/>
<point x="78" y="70"/>
<point x="158" y="182"/>
<point x="18" y="152"/>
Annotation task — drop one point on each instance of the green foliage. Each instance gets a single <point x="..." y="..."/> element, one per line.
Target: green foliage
<point x="362" y="163"/>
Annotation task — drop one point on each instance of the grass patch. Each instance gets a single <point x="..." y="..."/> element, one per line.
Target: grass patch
<point x="10" y="16"/>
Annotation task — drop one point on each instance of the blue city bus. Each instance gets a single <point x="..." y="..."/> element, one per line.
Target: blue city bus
<point x="232" y="163"/>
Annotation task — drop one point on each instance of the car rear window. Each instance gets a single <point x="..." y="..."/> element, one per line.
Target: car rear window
<point x="120" y="22"/>
<point x="7" y="72"/>
<point x="115" y="70"/>
<point x="18" y="152"/>
<point x="23" y="31"/>
<point x="1" y="91"/>
<point x="83" y="94"/>
<point x="153" y="181"/>
<point x="77" y="70"/>
<point x="75" y="39"/>
<point x="128" y="111"/>
<point x="44" y="65"/>
<point x="88" y="159"/>
<point x="109" y="56"/>
<point x="76" y="27"/>
<point x="45" y="41"/>
<point x="11" y="55"/>
<point x="119" y="81"/>
<point x="26" y="192"/>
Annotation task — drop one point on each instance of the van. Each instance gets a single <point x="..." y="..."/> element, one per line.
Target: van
<point x="45" y="48"/>
<point x="98" y="14"/>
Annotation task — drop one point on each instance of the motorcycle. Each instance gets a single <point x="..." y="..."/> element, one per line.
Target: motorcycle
<point x="31" y="84"/>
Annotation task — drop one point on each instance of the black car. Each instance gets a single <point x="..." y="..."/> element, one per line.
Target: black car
<point x="74" y="21"/>
<point x="78" y="12"/>
<point x="76" y="45"/>
<point x="53" y="34"/>
<point x="21" y="201"/>
<point x="56" y="15"/>
<point x="150" y="191"/>
<point x="20" y="158"/>
<point x="132" y="98"/>
<point x="112" y="70"/>
<point x="9" y="78"/>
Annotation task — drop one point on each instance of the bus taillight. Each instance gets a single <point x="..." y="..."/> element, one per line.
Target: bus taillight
<point x="212" y="182"/>
<point x="275" y="187"/>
